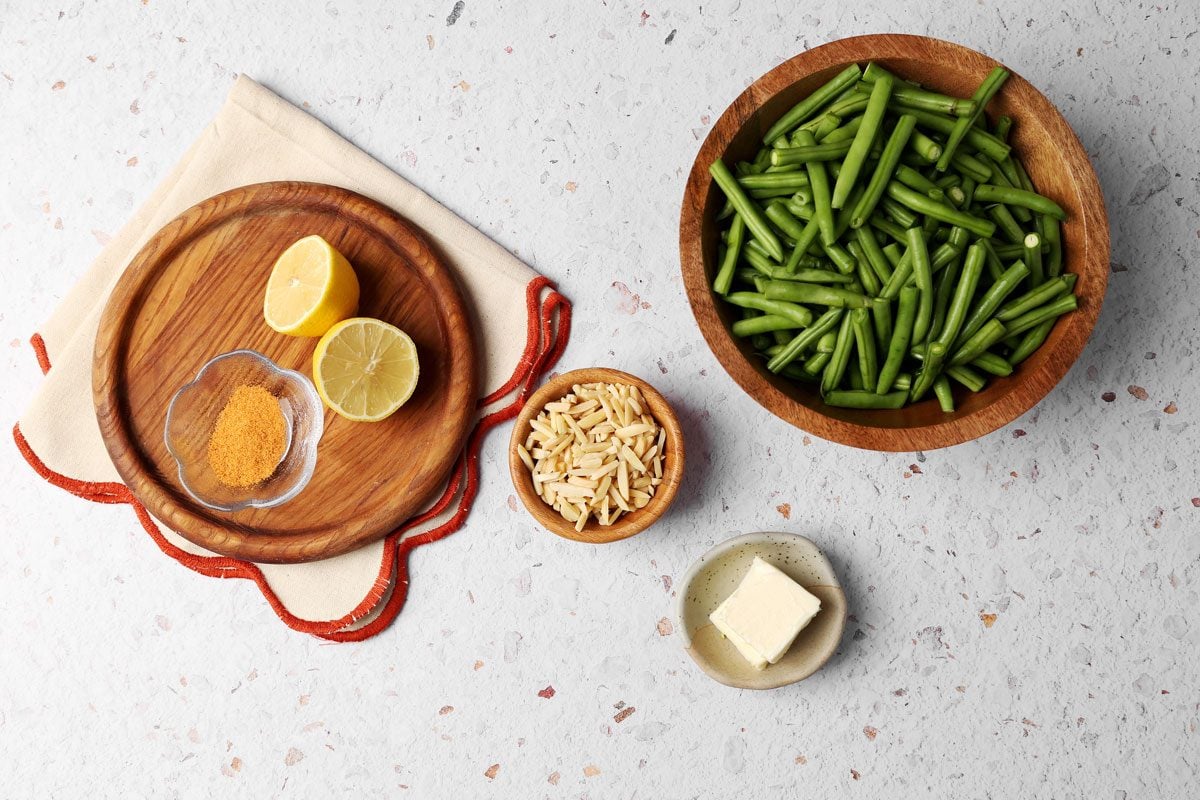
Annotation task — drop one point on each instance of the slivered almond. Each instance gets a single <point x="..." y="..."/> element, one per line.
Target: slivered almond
<point x="595" y="453"/>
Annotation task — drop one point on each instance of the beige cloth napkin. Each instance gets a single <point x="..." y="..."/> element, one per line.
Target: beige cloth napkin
<point x="259" y="137"/>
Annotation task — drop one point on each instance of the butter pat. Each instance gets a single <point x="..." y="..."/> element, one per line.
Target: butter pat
<point x="765" y="613"/>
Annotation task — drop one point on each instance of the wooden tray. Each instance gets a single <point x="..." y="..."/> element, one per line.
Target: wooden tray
<point x="196" y="289"/>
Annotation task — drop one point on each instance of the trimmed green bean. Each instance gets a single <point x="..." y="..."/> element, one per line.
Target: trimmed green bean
<point x="1009" y="195"/>
<point x="891" y="251"/>
<point x="1052" y="236"/>
<point x="864" y="344"/>
<point x="917" y="97"/>
<point x="805" y="339"/>
<point x="976" y="138"/>
<point x="831" y="378"/>
<point x="803" y="154"/>
<point x="791" y="179"/>
<point x="1005" y="221"/>
<point x="841" y="259"/>
<point x="991" y="300"/>
<point x="901" y="337"/>
<point x="818" y="180"/>
<point x="873" y="253"/>
<point x="932" y="208"/>
<point x="866" y="275"/>
<point x="1033" y="258"/>
<point x="970" y="167"/>
<point x="863" y="399"/>
<point x="815" y="294"/>
<point x="967" y="377"/>
<point x="809" y="105"/>
<point x="814" y="366"/>
<point x="941" y="388"/>
<point x="801" y="316"/>
<point x="881" y="320"/>
<point x="924" y="147"/>
<point x="900" y="213"/>
<point x="1003" y="127"/>
<point x="747" y="208"/>
<point x="990" y="362"/>
<point x="865" y="136"/>
<point x="988" y="334"/>
<point x="827" y="341"/>
<point x="935" y="357"/>
<point x="884" y="168"/>
<point x="843" y="133"/>
<point x="763" y="324"/>
<point x="915" y="180"/>
<point x="963" y="293"/>
<point x="1032" y="340"/>
<point x="923" y="273"/>
<point x="1051" y="310"/>
<point x="944" y="285"/>
<point x="982" y="96"/>
<point x="812" y="275"/>
<point x="778" y="213"/>
<point x="733" y="249"/>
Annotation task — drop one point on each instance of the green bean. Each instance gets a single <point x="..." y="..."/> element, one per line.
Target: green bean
<point x="778" y="213"/>
<point x="802" y="211"/>
<point x="866" y="275"/>
<point x="827" y="342"/>
<point x="991" y="193"/>
<point x="976" y="138"/>
<point x="915" y="180"/>
<point x="841" y="259"/>
<point x="812" y="275"/>
<point x="767" y="194"/>
<point x="857" y="156"/>
<point x="970" y="167"/>
<point x="756" y="259"/>
<point x="841" y="220"/>
<point x="746" y="207"/>
<point x="1052" y="310"/>
<point x="891" y="251"/>
<point x="821" y="127"/>
<point x="924" y="205"/>
<point x="860" y="398"/>
<point x="901" y="214"/>
<point x="842" y="134"/>
<point x="965" y="291"/>
<point x="994" y="265"/>
<point x="801" y="316"/>
<point x="1004" y="173"/>
<point x="724" y="277"/>
<point x="1052" y="235"/>
<point x="792" y="179"/>
<point x="988" y="334"/>
<point x="805" y="240"/>
<point x="818" y="179"/>
<point x="803" y="154"/>
<point x="878" y="222"/>
<point x="836" y="369"/>
<point x="944" y="285"/>
<point x="864" y="343"/>
<point x="814" y="366"/>
<point x="886" y="165"/>
<point x="805" y="339"/>
<point x="967" y="377"/>
<point x="916" y="97"/>
<point x="990" y="362"/>
<point x="1003" y="126"/>
<point x="935" y="357"/>
<point x="991" y="300"/>
<point x="763" y="324"/>
<point x="726" y="210"/>
<point x="873" y="254"/>
<point x="983" y="95"/>
<point x="809" y="105"/>
<point x="1005" y="222"/>
<point x="881" y="320"/>
<point x="927" y="149"/>
<point x="923" y="272"/>
<point x="901" y="337"/>
<point x="815" y="294"/>
<point x="900" y="276"/>
<point x="941" y="388"/>
<point x="1032" y="340"/>
<point x="1033" y="258"/>
<point x="761" y="160"/>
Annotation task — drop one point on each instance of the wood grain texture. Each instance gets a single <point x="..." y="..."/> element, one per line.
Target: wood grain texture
<point x="1055" y="160"/>
<point x="195" y="290"/>
<point x="629" y="524"/>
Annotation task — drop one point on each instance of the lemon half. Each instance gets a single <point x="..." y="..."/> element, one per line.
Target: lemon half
<point x="365" y="369"/>
<point x="312" y="287"/>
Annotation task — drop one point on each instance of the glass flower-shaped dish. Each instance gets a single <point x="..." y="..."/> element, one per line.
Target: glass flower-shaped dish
<point x="192" y="418"/>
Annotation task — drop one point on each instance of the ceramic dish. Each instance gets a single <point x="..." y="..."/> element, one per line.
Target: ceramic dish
<point x="631" y="523"/>
<point x="1047" y="146"/>
<point x="719" y="571"/>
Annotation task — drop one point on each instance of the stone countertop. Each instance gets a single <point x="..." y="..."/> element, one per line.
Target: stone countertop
<point x="1023" y="606"/>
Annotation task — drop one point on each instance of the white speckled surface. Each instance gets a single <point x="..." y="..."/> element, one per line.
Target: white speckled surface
<point x="123" y="674"/>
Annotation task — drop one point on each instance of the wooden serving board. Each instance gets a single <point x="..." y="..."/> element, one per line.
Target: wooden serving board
<point x="195" y="290"/>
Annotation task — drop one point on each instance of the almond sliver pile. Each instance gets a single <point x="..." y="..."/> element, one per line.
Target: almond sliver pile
<point x="596" y="453"/>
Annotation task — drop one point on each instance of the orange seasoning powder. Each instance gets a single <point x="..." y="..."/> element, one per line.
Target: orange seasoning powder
<point x="249" y="438"/>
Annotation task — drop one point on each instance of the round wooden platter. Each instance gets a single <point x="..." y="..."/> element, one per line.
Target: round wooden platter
<point x="1047" y="146"/>
<point x="195" y="290"/>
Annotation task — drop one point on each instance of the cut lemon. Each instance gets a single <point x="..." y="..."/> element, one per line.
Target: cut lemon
<point x="312" y="287"/>
<point x="365" y="369"/>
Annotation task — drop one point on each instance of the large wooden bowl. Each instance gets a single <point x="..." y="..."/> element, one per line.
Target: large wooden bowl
<point x="1056" y="162"/>
<point x="629" y="524"/>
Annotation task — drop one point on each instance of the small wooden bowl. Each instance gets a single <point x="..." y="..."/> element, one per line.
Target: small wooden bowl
<point x="629" y="524"/>
<point x="1056" y="162"/>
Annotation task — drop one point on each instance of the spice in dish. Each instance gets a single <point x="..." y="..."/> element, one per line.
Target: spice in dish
<point x="249" y="439"/>
<point x="596" y="453"/>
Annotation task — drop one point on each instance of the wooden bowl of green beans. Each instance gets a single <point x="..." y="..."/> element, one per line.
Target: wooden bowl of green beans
<point x="894" y="242"/>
